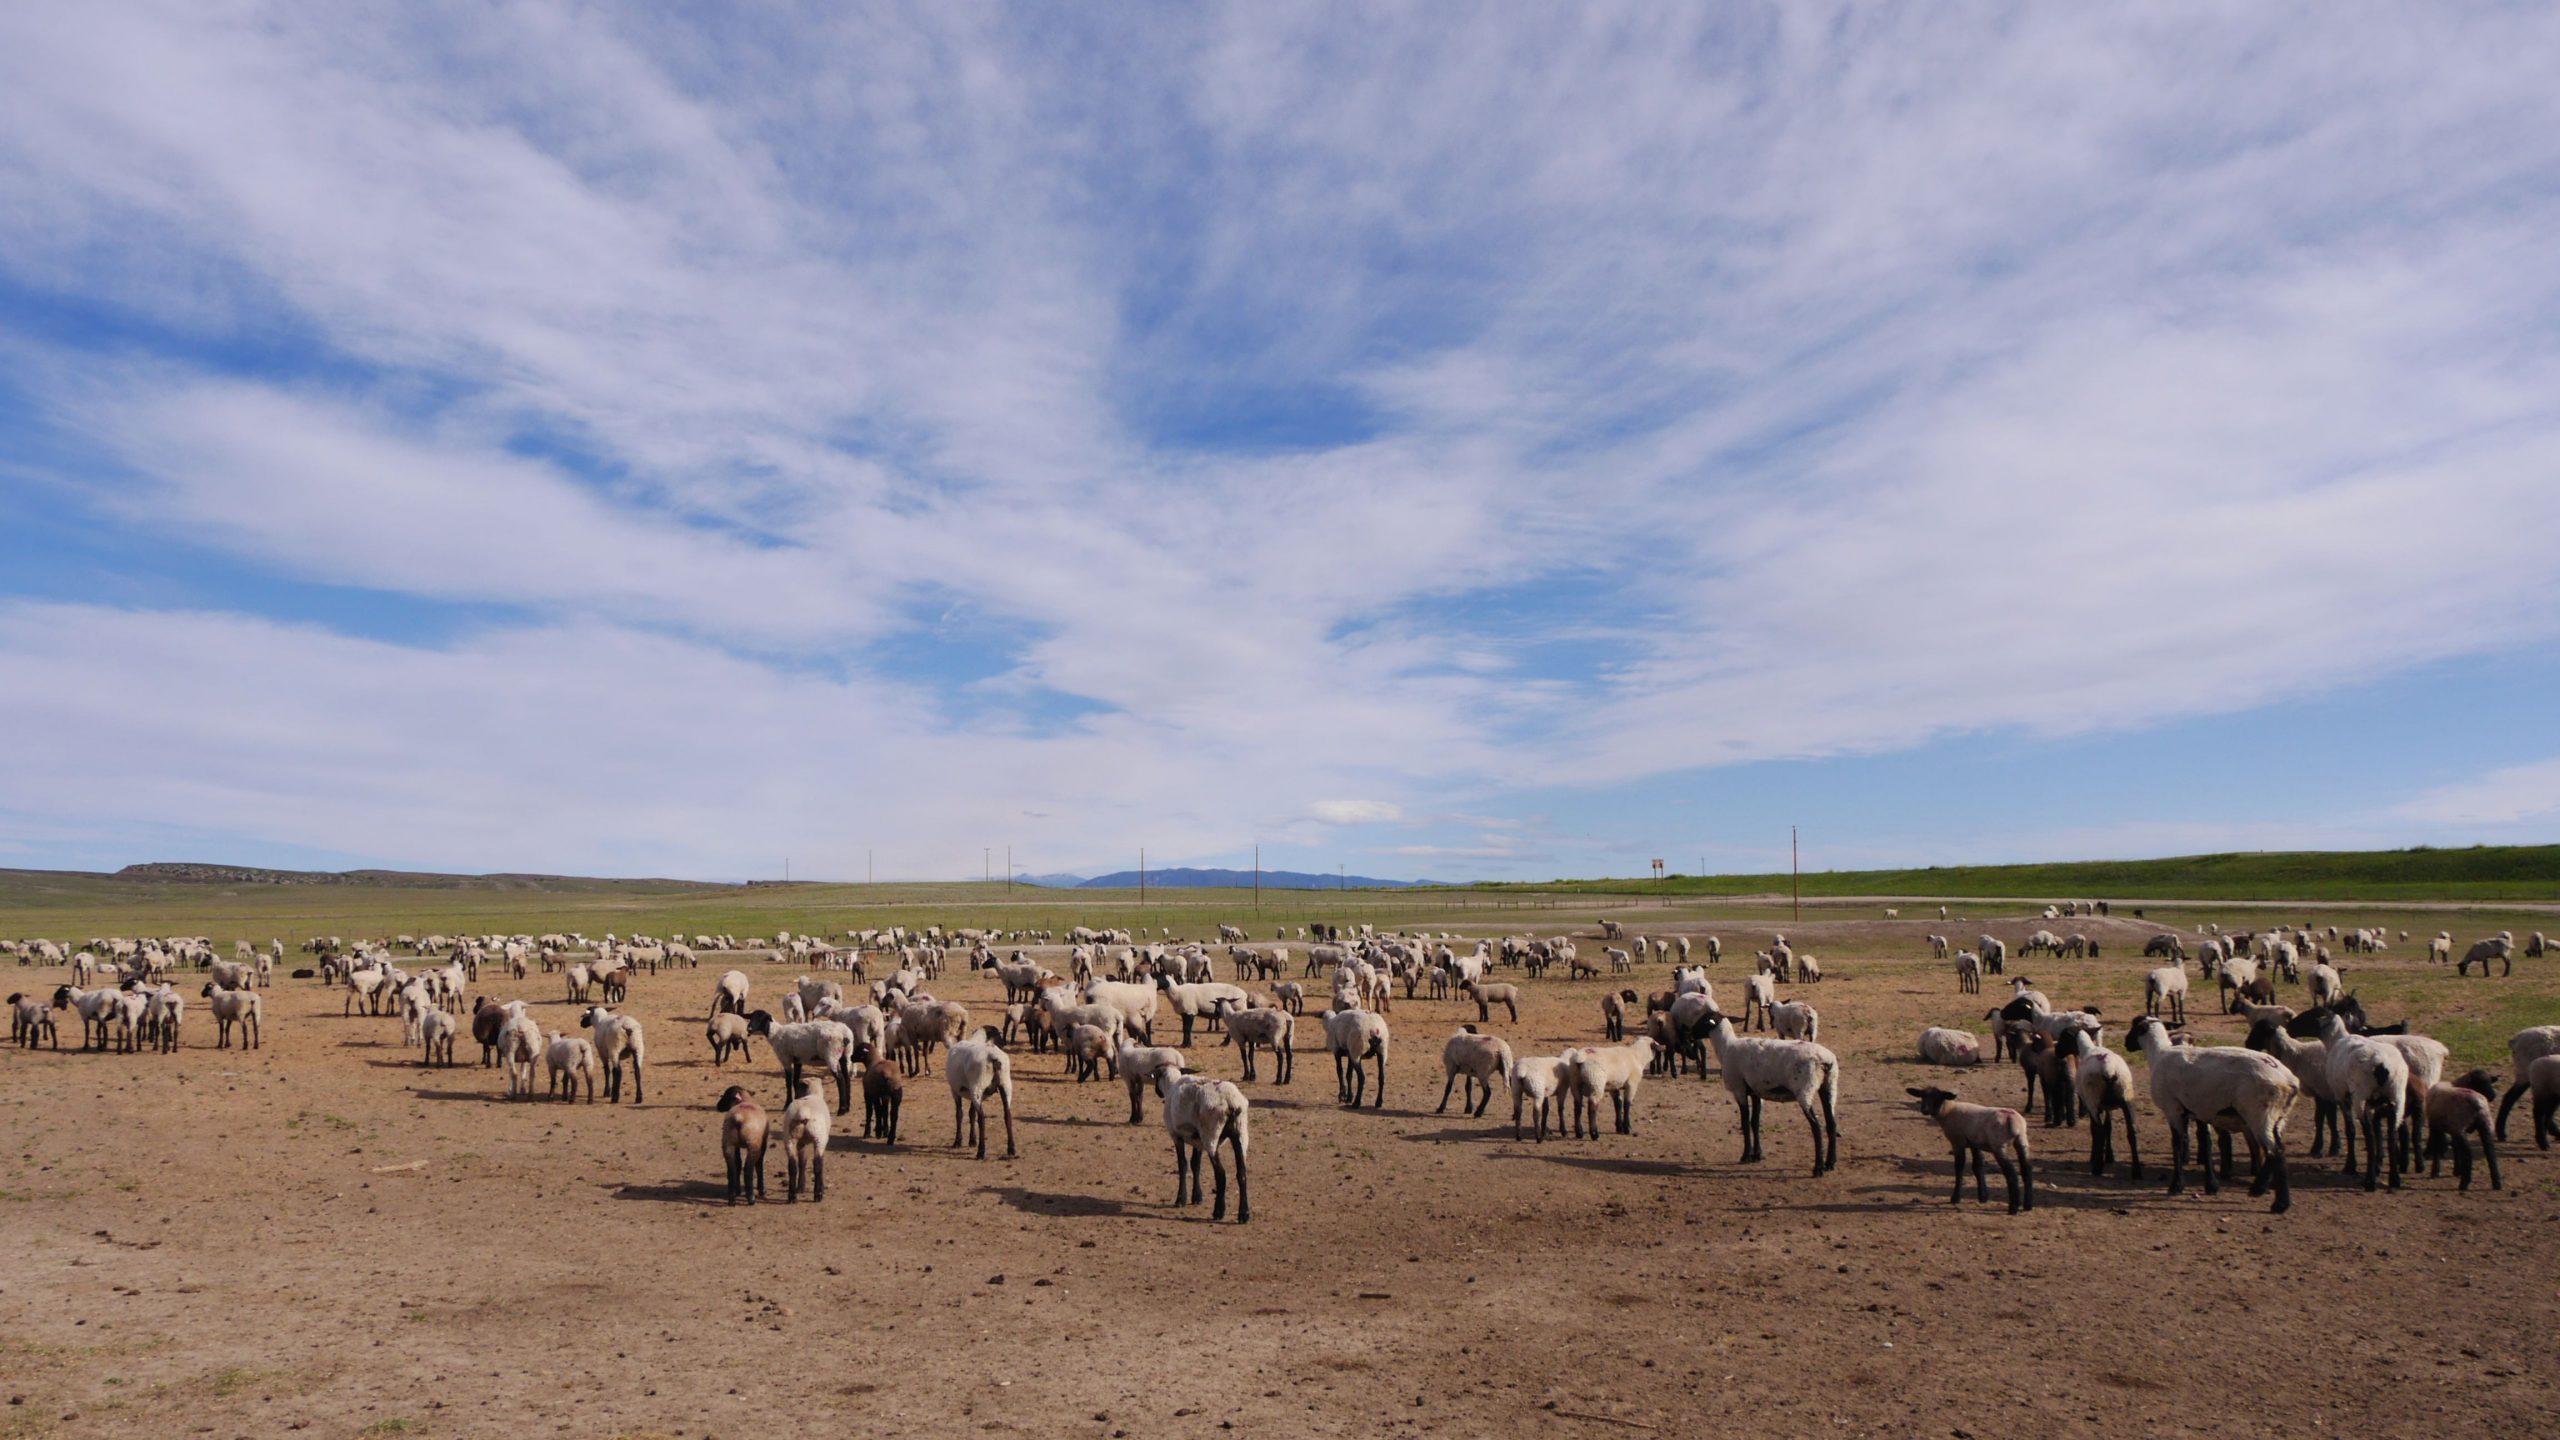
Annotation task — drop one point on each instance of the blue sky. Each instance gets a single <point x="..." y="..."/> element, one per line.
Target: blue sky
<point x="1439" y="441"/>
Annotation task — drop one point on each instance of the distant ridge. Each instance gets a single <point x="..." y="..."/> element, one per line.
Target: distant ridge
<point x="1186" y="878"/>
<point x="187" y="872"/>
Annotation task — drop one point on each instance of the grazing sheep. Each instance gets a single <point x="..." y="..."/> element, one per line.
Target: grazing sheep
<point x="1290" y="996"/>
<point x="618" y="1038"/>
<point x="727" y="1032"/>
<point x="1252" y="1031"/>
<point x="1137" y="1066"/>
<point x="2525" y="1047"/>
<point x="2326" y="987"/>
<point x="884" y="1093"/>
<point x="1355" y="1037"/>
<point x="1808" y="970"/>
<point x="1979" y="1130"/>
<point x="1795" y="1020"/>
<point x="1797" y="1070"/>
<point x="1942" y="1046"/>
<point x="2103" y="1082"/>
<point x="806" y="1129"/>
<point x="972" y="1069"/>
<point x="2499" y="949"/>
<point x="1201" y="1114"/>
<point x="729" y="997"/>
<point x="1613" y="1071"/>
<point x="2220" y="1085"/>
<point x="1481" y="1060"/>
<point x="2454" y="1111"/>
<point x="1488" y="996"/>
<point x="743" y="1131"/>
<point x="236" y="1007"/>
<point x="567" y="1059"/>
<point x="1540" y="1080"/>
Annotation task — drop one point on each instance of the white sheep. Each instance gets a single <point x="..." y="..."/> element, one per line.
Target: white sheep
<point x="806" y="1129"/>
<point x="1201" y="1114"/>
<point x="1487" y="996"/>
<point x="1483" y="1061"/>
<point x="436" y="1034"/>
<point x="727" y="1032"/>
<point x="2309" y="1062"/>
<point x="729" y="997"/>
<point x="236" y="1007"/>
<point x="1759" y="992"/>
<point x="568" y="1058"/>
<point x="1795" y="1020"/>
<point x="1540" y="1080"/>
<point x="2104" y="1083"/>
<point x="972" y="1069"/>
<point x="1252" y="1031"/>
<point x="1942" y="1046"/>
<point x="2525" y="1047"/>
<point x="1355" y="1037"/>
<point x="1137" y="1066"/>
<point x="2220" y="1085"/>
<point x="825" y="1044"/>
<point x="2166" y="987"/>
<point x="1797" y="1070"/>
<point x="1979" y="1130"/>
<point x="1612" y="1071"/>
<point x="2371" y="1080"/>
<point x="618" y="1038"/>
<point x="520" y="1049"/>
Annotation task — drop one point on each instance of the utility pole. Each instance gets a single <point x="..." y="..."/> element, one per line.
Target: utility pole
<point x="1142" y="876"/>
<point x="866" y="867"/>
<point x="1008" y="869"/>
<point x="1795" y="873"/>
<point x="1257" y="880"/>
<point x="786" y="869"/>
<point x="986" y="862"/>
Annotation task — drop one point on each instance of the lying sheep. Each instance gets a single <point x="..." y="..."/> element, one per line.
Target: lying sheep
<point x="1483" y="1061"/>
<point x="1979" y="1130"/>
<point x="1942" y="1046"/>
<point x="743" y="1130"/>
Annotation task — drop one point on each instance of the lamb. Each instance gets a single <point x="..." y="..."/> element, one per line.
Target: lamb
<point x="2453" y="1112"/>
<point x="2372" y="1083"/>
<point x="1614" y="1071"/>
<point x="2542" y="1077"/>
<point x="727" y="1032"/>
<point x="1252" y="1031"/>
<point x="729" y="997"/>
<point x="1355" y="1037"/>
<point x="2166" y="986"/>
<point x="519" y="1048"/>
<point x="2500" y="948"/>
<point x="2220" y="1085"/>
<point x="244" y="1008"/>
<point x="1808" y="970"/>
<point x="1541" y="1080"/>
<point x="1488" y="996"/>
<point x="1482" y="1060"/>
<point x="1942" y="1046"/>
<point x="1798" y="1070"/>
<point x="806" y="1129"/>
<point x="618" y="1038"/>
<point x="1977" y="1130"/>
<point x="1968" y="973"/>
<point x="1290" y="996"/>
<point x="1759" y="992"/>
<point x="1088" y="1048"/>
<point x="1795" y="1020"/>
<point x="436" y="1032"/>
<point x="2103" y="1083"/>
<point x="1613" y="1014"/>
<point x="884" y="1093"/>
<point x="2309" y="1062"/>
<point x="972" y="1069"/>
<point x="826" y="1044"/>
<point x="743" y="1131"/>
<point x="1136" y="1004"/>
<point x="2525" y="1047"/>
<point x="2326" y="987"/>
<point x="1137" y="1066"/>
<point x="1201" y="1114"/>
<point x="567" y="1058"/>
<point x="2040" y="1055"/>
<point x="31" y="1022"/>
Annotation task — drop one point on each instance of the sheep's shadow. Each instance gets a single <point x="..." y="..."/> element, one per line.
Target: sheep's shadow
<point x="1605" y="1164"/>
<point x="480" y="1095"/>
<point x="678" y="1192"/>
<point x="1045" y="1202"/>
<point x="1487" y="1132"/>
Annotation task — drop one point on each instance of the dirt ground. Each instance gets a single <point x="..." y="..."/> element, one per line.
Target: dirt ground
<point x="321" y="1236"/>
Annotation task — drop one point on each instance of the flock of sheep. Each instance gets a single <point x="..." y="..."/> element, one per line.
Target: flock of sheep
<point x="2379" y="1086"/>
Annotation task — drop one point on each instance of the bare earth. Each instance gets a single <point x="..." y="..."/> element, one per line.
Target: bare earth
<point x="248" y="1244"/>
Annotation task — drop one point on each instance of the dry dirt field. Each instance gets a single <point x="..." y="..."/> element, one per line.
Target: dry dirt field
<point x="321" y="1237"/>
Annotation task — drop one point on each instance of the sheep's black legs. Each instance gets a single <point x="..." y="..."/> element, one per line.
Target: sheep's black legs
<point x="2204" y="1157"/>
<point x="1181" y="1176"/>
<point x="1981" y="1185"/>
<point x="2489" y="1153"/>
<point x="2026" y="1180"/>
<point x="1452" y="1085"/>
<point x="1244" y="1197"/>
<point x="2008" y="1176"/>
<point x="2506" y="1106"/>
<point x="1006" y="1098"/>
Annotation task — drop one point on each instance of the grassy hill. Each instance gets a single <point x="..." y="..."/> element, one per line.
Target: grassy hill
<point x="2482" y="872"/>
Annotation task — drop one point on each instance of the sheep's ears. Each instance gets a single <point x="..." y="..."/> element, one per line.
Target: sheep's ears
<point x="1916" y="1094"/>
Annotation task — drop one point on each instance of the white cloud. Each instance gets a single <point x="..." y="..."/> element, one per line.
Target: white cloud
<point x="2515" y="795"/>
<point x="1356" y="812"/>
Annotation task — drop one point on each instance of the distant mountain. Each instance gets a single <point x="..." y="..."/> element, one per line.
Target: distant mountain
<point x="1059" y="881"/>
<point x="1190" y="879"/>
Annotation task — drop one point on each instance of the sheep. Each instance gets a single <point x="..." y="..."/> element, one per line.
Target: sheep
<point x="566" y="1059"/>
<point x="1251" y="1031"/>
<point x="2440" y="948"/>
<point x="436" y="1032"/>
<point x="1088" y="1049"/>
<point x="2309" y="1062"/>
<point x="884" y="1094"/>
<point x="1968" y="973"/>
<point x="1977" y="1130"/>
<point x="806" y="1129"/>
<point x="2372" y="1083"/>
<point x="972" y="1068"/>
<point x="97" y="1010"/>
<point x="1201" y="1114"/>
<point x="1194" y="1000"/>
<point x="1759" y="992"/>
<point x="1136" y="1004"/>
<point x="2454" y="1111"/>
<point x="1137" y="1066"/>
<point x="2499" y="949"/>
<point x="826" y="1044"/>
<point x="2103" y="1084"/>
<point x="618" y="1038"/>
<point x="2525" y="1047"/>
<point x="2166" y="986"/>
<point x="1539" y="1080"/>
<point x="31" y="1022"/>
<point x="1614" y="1071"/>
<point x="1808" y="970"/>
<point x="2220" y="1085"/>
<point x="743" y="1131"/>
<point x="1355" y="1037"/>
<point x="1942" y="1046"/>
<point x="520" y="1047"/>
<point x="1481" y="1060"/>
<point x="1798" y="1070"/>
<point x="2542" y="1077"/>
<point x="1488" y="996"/>
<point x="729" y="997"/>
<point x="1290" y="996"/>
<point x="726" y="1030"/>
<point x="1795" y="1020"/>
<point x="244" y="1008"/>
<point x="2040" y="1056"/>
<point x="1613" y="1014"/>
<point x="2326" y="988"/>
